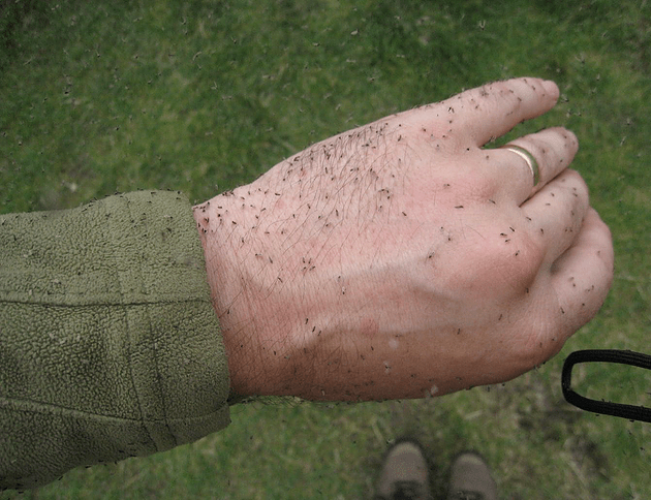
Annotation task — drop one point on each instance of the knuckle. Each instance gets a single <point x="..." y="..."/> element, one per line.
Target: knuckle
<point x="575" y="185"/>
<point x="506" y="264"/>
<point x="515" y="262"/>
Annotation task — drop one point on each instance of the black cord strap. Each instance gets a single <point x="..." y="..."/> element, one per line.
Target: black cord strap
<point x="605" y="356"/>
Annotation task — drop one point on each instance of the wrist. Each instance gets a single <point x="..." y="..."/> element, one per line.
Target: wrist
<point x="250" y="296"/>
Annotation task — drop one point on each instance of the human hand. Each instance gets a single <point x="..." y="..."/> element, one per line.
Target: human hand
<point x="402" y="259"/>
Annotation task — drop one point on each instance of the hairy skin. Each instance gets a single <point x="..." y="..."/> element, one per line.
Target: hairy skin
<point x="402" y="259"/>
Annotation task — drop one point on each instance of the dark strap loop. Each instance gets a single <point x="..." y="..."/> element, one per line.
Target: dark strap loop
<point x="605" y="356"/>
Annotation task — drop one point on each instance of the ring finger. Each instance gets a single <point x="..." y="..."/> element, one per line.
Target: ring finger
<point x="556" y="213"/>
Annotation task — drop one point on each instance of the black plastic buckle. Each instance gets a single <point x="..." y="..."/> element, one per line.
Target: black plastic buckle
<point x="605" y="356"/>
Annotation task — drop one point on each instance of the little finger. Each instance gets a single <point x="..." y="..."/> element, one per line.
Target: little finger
<point x="583" y="275"/>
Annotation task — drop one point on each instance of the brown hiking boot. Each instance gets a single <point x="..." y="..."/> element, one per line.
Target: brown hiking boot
<point x="405" y="474"/>
<point x="470" y="479"/>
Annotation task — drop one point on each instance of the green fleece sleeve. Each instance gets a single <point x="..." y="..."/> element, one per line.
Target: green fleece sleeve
<point x="109" y="345"/>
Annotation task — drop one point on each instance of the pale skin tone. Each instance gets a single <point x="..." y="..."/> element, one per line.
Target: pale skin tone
<point x="407" y="258"/>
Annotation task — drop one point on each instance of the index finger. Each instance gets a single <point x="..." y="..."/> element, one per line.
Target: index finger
<point x="493" y="110"/>
<point x="485" y="113"/>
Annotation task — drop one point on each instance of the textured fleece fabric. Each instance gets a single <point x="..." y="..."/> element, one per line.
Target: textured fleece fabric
<point x="109" y="345"/>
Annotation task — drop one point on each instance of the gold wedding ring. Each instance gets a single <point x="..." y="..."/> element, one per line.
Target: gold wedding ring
<point x="528" y="157"/>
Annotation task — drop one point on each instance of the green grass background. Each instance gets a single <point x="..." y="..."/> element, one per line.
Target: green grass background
<point x="98" y="97"/>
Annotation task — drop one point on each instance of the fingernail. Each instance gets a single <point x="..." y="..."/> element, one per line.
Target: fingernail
<point x="551" y="88"/>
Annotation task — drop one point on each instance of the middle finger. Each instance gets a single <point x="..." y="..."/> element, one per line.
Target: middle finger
<point x="551" y="150"/>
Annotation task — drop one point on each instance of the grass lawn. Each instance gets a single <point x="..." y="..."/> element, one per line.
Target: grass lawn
<point x="98" y="97"/>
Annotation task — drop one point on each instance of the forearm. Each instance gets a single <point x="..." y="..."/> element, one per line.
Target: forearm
<point x="109" y="344"/>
